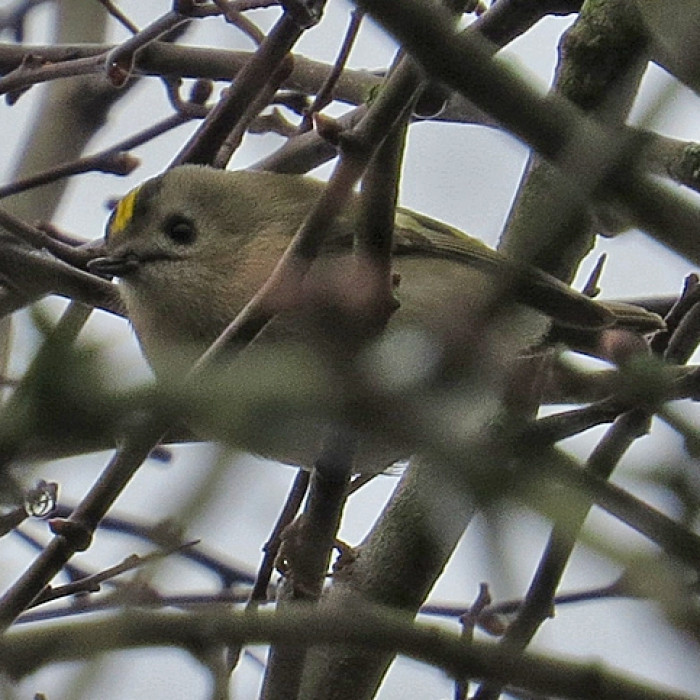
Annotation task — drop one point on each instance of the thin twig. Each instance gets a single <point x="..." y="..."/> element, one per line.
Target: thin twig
<point x="262" y="100"/>
<point x="487" y="618"/>
<point x="163" y="536"/>
<point x="324" y="95"/>
<point x="111" y="162"/>
<point x="236" y="17"/>
<point x="690" y="296"/>
<point x="469" y="620"/>
<point x="27" y="75"/>
<point x="92" y="583"/>
<point x="115" y="12"/>
<point x="271" y="548"/>
<point x="152" y="599"/>
<point x="119" y="61"/>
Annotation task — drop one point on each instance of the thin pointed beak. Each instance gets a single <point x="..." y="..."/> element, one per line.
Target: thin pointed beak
<point x="113" y="265"/>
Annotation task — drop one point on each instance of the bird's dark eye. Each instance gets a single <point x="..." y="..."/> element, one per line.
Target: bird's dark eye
<point x="180" y="230"/>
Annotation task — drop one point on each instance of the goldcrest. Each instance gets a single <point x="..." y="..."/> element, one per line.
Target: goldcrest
<point x="192" y="246"/>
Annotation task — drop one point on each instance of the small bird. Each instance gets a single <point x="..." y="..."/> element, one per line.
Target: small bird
<point x="192" y="246"/>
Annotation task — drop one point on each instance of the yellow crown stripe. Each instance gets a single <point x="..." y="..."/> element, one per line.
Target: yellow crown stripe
<point x="123" y="212"/>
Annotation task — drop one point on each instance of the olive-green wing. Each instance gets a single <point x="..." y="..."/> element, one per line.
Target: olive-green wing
<point x="416" y="234"/>
<point x="419" y="235"/>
